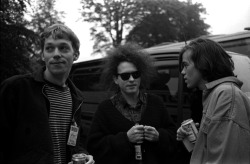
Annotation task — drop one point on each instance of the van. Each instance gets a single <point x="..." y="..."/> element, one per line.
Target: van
<point x="181" y="102"/>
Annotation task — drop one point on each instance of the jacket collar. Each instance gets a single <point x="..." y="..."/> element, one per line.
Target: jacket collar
<point x="38" y="76"/>
<point x="231" y="79"/>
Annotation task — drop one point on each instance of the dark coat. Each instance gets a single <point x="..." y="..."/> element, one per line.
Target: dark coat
<point x="108" y="141"/>
<point x="24" y="120"/>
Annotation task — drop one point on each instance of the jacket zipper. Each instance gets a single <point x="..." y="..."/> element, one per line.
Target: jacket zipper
<point x="48" y="110"/>
<point x="73" y="118"/>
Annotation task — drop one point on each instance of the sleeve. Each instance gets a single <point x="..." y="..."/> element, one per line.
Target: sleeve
<point x="167" y="143"/>
<point x="7" y="114"/>
<point x="227" y="140"/>
<point x="104" y="143"/>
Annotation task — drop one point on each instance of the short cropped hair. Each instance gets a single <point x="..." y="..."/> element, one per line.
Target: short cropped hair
<point x="60" y="31"/>
<point x="129" y="52"/>
<point x="209" y="58"/>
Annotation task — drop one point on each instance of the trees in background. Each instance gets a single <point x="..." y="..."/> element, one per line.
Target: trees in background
<point x="110" y="19"/>
<point x="147" y="22"/>
<point x="20" y="38"/>
<point x="164" y="24"/>
<point x="43" y="14"/>
<point x="16" y="40"/>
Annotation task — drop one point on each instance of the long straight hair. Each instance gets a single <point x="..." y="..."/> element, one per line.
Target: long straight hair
<point x="209" y="58"/>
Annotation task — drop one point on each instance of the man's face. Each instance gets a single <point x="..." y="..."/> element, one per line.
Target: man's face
<point x="192" y="76"/>
<point x="132" y="84"/>
<point x="58" y="56"/>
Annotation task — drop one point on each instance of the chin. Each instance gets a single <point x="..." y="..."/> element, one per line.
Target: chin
<point x="132" y="92"/>
<point x="191" y="86"/>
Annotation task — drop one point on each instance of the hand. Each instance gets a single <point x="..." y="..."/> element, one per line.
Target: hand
<point x="150" y="133"/>
<point x="181" y="134"/>
<point x="197" y="125"/>
<point x="90" y="159"/>
<point x="135" y="134"/>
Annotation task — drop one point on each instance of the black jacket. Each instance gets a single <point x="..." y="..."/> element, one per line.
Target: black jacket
<point x="108" y="141"/>
<point x="24" y="122"/>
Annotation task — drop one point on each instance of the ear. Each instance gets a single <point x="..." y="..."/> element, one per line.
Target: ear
<point x="115" y="79"/>
<point x="76" y="56"/>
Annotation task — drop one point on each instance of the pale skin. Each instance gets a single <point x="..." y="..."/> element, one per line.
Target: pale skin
<point x="130" y="91"/>
<point x="58" y="56"/>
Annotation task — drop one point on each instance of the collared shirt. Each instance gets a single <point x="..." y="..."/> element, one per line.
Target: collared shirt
<point x="131" y="113"/>
<point x="224" y="135"/>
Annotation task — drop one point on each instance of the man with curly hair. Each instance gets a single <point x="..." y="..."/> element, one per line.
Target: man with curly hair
<point x="132" y="126"/>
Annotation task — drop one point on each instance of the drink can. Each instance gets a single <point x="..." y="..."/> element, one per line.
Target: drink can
<point x="79" y="158"/>
<point x="190" y="127"/>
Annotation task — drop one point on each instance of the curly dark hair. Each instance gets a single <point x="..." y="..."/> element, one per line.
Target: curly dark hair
<point x="209" y="58"/>
<point x="129" y="52"/>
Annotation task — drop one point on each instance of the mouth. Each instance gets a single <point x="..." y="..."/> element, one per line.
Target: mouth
<point x="61" y="62"/>
<point x="185" y="80"/>
<point x="134" y="85"/>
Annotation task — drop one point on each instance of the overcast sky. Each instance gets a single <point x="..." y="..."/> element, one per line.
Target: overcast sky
<point x="224" y="17"/>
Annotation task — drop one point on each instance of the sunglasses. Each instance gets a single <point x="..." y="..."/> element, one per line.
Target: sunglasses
<point x="126" y="76"/>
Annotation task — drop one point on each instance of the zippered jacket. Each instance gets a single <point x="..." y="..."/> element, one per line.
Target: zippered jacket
<point x="24" y="120"/>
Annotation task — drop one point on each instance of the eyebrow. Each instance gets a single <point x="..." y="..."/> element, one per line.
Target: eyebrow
<point x="50" y="43"/>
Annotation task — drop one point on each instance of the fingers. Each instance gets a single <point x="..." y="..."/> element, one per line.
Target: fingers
<point x="150" y="133"/>
<point x="135" y="134"/>
<point x="181" y="134"/>
<point x="197" y="125"/>
<point x="90" y="159"/>
<point x="138" y="133"/>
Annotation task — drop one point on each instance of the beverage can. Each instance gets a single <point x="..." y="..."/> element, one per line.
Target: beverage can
<point x="189" y="141"/>
<point x="79" y="158"/>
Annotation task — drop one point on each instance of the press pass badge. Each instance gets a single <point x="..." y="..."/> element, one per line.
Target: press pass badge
<point x="73" y="135"/>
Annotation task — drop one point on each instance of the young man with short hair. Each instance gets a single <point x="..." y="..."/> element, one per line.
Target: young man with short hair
<point x="41" y="112"/>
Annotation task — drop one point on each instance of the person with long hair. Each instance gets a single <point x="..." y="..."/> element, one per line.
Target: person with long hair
<point x="224" y="132"/>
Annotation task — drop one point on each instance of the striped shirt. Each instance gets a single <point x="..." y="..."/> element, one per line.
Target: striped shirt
<point x="59" y="119"/>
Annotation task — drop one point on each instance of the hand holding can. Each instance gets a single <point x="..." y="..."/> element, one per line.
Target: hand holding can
<point x="188" y="134"/>
<point x="79" y="158"/>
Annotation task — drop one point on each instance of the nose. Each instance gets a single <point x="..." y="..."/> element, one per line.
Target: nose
<point x="57" y="54"/>
<point x="183" y="71"/>
<point x="131" y="78"/>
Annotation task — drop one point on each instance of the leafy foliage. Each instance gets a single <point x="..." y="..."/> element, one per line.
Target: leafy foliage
<point x="43" y="15"/>
<point x="110" y="19"/>
<point x="16" y="40"/>
<point x="147" y="22"/>
<point x="164" y="24"/>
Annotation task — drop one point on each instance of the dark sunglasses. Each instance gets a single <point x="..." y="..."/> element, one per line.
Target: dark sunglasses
<point x="126" y="76"/>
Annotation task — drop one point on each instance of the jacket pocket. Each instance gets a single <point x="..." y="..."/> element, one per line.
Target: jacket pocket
<point x="205" y="124"/>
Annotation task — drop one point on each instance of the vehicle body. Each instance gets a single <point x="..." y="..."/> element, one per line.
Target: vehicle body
<point x="181" y="102"/>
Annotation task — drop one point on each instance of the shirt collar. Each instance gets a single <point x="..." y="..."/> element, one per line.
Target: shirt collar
<point x="120" y="99"/>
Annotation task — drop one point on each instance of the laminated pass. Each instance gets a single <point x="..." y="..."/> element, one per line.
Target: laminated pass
<point x="73" y="135"/>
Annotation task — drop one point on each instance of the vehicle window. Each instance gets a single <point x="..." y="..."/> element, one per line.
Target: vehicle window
<point x="87" y="81"/>
<point x="166" y="80"/>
